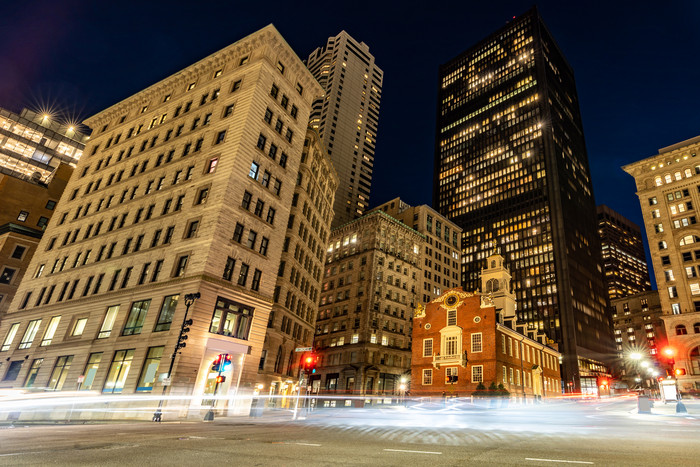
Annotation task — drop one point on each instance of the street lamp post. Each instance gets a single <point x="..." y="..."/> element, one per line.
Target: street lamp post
<point x="181" y="338"/>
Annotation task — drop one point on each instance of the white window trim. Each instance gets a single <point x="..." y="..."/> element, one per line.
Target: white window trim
<point x="452" y="331"/>
<point x="481" y="342"/>
<point x="425" y="341"/>
<point x="427" y="371"/>
<point x="482" y="373"/>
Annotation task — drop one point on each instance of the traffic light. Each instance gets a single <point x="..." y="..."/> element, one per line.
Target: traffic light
<point x="309" y="362"/>
<point x="220" y="379"/>
<point x="449" y="379"/>
<point x="680" y="372"/>
<point x="216" y="366"/>
<point x="183" y="334"/>
<point x="226" y="363"/>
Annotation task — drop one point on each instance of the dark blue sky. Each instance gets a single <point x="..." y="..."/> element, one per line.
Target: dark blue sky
<point x="636" y="66"/>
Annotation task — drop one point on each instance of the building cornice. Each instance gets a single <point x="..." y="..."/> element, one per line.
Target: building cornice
<point x="265" y="37"/>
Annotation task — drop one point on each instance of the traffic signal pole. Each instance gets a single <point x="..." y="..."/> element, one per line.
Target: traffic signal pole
<point x="181" y="338"/>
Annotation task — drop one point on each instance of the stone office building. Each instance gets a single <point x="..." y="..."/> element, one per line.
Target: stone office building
<point x="184" y="187"/>
<point x="442" y="250"/>
<point x="668" y="186"/>
<point x="370" y="287"/>
<point x="298" y="287"/>
<point x="639" y="328"/>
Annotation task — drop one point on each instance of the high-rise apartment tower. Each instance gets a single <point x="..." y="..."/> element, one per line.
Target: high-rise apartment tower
<point x="511" y="169"/>
<point x="347" y="117"/>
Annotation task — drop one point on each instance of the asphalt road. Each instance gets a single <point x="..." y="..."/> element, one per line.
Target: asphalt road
<point x="575" y="433"/>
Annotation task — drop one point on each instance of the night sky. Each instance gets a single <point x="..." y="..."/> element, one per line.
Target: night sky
<point x="636" y="66"/>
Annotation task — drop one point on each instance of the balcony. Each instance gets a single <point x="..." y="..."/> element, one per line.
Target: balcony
<point x="446" y="360"/>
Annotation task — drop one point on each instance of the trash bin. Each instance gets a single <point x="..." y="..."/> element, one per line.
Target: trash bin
<point x="643" y="404"/>
<point x="256" y="408"/>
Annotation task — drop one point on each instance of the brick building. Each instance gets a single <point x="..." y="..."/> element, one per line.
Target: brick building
<point x="461" y="339"/>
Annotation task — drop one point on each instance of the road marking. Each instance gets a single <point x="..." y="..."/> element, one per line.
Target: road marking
<point x="307" y="444"/>
<point x="415" y="452"/>
<point x="557" y="460"/>
<point x="20" y="453"/>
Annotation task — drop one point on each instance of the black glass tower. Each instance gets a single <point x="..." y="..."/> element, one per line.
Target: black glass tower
<point x="511" y="169"/>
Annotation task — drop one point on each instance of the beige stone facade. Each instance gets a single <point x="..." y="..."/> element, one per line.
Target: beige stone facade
<point x="298" y="287"/>
<point x="639" y="328"/>
<point x="184" y="187"/>
<point x="668" y="186"/>
<point x="370" y="287"/>
<point x="442" y="251"/>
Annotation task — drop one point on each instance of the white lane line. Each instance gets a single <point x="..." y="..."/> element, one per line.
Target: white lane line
<point x="557" y="460"/>
<point x="20" y="453"/>
<point x="415" y="452"/>
<point x="307" y="444"/>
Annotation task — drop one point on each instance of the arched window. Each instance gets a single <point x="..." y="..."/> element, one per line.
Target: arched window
<point x="678" y="176"/>
<point x="681" y="330"/>
<point x="696" y="328"/>
<point x="688" y="173"/>
<point x="492" y="285"/>
<point x="662" y="245"/>
<point x="689" y="239"/>
<point x="290" y="365"/>
<point x="695" y="360"/>
<point x="278" y="360"/>
<point x="658" y="181"/>
<point x="667" y="178"/>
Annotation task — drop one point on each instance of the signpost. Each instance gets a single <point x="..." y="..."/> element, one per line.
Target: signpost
<point x="303" y="349"/>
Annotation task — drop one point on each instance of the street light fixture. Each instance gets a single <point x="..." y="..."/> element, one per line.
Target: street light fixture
<point x="190" y="298"/>
<point x="636" y="356"/>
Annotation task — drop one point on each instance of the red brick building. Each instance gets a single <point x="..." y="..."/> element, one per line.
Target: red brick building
<point x="461" y="339"/>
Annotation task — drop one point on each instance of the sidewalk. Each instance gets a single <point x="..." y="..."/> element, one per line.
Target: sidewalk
<point x="692" y="407"/>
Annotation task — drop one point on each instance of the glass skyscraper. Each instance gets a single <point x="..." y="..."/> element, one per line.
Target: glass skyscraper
<point x="511" y="169"/>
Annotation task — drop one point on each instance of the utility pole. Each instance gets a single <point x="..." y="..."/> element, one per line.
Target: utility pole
<point x="181" y="338"/>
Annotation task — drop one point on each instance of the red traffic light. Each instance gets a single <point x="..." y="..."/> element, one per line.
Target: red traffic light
<point x="309" y="362"/>
<point x="680" y="372"/>
<point x="669" y="352"/>
<point x="218" y="362"/>
<point x="220" y="379"/>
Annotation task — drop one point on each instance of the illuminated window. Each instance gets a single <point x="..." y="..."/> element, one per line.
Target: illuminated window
<point x="118" y="371"/>
<point x="60" y="372"/>
<point x="29" y="334"/>
<point x="427" y="376"/>
<point x="150" y="369"/>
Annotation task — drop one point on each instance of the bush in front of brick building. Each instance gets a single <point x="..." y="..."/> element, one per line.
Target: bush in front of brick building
<point x="481" y="391"/>
<point x="502" y="391"/>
